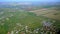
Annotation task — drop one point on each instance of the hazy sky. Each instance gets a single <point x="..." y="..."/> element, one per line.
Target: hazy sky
<point x="26" y="0"/>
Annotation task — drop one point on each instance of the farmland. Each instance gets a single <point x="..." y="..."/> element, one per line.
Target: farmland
<point x="52" y="12"/>
<point x="20" y="19"/>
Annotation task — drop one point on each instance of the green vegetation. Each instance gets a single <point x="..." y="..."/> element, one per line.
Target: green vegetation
<point x="20" y="20"/>
<point x="10" y="19"/>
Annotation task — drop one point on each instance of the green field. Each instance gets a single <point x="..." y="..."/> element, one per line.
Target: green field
<point x="17" y="20"/>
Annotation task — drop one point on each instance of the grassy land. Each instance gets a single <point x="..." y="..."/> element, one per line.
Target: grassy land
<point x="53" y="12"/>
<point x="15" y="19"/>
<point x="9" y="19"/>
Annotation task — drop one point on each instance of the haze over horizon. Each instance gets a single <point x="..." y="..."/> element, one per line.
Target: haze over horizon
<point x="29" y="0"/>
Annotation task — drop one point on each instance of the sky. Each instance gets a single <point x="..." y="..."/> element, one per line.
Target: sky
<point x="27" y="0"/>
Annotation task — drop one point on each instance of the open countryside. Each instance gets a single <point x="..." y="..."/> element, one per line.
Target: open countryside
<point x="29" y="18"/>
